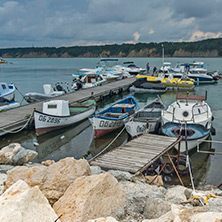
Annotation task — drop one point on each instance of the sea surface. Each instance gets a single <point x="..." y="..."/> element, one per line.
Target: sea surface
<point x="29" y="75"/>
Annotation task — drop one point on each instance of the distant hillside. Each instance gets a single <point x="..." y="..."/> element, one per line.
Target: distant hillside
<point x="205" y="48"/>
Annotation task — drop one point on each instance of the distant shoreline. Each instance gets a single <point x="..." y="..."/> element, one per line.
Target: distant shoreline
<point x="210" y="48"/>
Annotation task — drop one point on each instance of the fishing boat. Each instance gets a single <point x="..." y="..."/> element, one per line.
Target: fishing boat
<point x="111" y="118"/>
<point x="49" y="92"/>
<point x="7" y="91"/>
<point x="5" y="104"/>
<point x="190" y="117"/>
<point x="87" y="80"/>
<point x="141" y="85"/>
<point x="145" y="119"/>
<point x="59" y="113"/>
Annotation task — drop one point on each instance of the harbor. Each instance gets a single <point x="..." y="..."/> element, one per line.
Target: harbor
<point x="19" y="116"/>
<point x="138" y="161"/>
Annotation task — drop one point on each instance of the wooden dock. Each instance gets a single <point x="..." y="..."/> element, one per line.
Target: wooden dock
<point x="14" y="119"/>
<point x="136" y="155"/>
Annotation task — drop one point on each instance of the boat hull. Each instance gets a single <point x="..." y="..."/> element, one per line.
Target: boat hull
<point x="194" y="133"/>
<point x="45" y="123"/>
<point x="104" y="126"/>
<point x="137" y="127"/>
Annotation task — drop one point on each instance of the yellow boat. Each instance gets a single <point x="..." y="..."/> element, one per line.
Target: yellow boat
<point x="2" y="61"/>
<point x="172" y="83"/>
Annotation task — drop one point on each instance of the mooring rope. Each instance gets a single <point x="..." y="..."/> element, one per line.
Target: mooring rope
<point x="19" y="130"/>
<point x="107" y="145"/>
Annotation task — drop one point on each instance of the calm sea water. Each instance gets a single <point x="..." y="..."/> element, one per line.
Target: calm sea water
<point x="29" y="75"/>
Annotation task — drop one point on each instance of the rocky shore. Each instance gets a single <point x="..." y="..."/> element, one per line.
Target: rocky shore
<point x="71" y="190"/>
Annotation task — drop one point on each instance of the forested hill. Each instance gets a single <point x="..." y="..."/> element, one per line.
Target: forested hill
<point x="205" y="48"/>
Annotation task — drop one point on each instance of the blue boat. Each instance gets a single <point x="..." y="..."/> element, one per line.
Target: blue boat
<point x="111" y="118"/>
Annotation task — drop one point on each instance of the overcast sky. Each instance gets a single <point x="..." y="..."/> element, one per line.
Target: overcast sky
<point x="39" y="23"/>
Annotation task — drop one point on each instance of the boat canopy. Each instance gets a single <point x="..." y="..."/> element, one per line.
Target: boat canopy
<point x="56" y="108"/>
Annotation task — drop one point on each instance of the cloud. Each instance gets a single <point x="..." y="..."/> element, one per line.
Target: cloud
<point x="151" y="31"/>
<point x="68" y="22"/>
<point x="198" y="35"/>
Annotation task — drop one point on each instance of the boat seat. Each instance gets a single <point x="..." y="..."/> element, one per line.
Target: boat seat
<point x="114" y="115"/>
<point x="124" y="105"/>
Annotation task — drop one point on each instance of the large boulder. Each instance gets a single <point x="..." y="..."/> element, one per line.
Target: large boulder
<point x="176" y="194"/>
<point x="52" y="180"/>
<point x="21" y="203"/>
<point x="90" y="197"/>
<point x="137" y="194"/>
<point x="156" y="207"/>
<point x="15" y="154"/>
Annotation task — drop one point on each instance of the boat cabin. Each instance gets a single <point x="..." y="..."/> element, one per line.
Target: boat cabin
<point x="56" y="108"/>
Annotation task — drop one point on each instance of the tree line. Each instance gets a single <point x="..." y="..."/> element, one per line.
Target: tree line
<point x="212" y="47"/>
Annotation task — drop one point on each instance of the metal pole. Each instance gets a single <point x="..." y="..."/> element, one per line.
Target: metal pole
<point x="163" y="53"/>
<point x="187" y="159"/>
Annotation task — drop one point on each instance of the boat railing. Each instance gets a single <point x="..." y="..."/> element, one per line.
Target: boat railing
<point x="206" y="151"/>
<point x="193" y="113"/>
<point x="200" y="113"/>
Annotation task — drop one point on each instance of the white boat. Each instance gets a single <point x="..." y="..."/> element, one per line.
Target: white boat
<point x="145" y="119"/>
<point x="188" y="116"/>
<point x="109" y="75"/>
<point x="87" y="80"/>
<point x="58" y="114"/>
<point x="113" y="65"/>
<point x="132" y="68"/>
<point x="165" y="67"/>
<point x="199" y="77"/>
<point x="49" y="92"/>
<point x="5" y="104"/>
<point x="7" y="91"/>
<point x="111" y="118"/>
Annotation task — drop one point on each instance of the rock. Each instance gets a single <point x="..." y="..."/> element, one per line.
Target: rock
<point x="121" y="175"/>
<point x="95" y="170"/>
<point x="103" y="219"/>
<point x="158" y="180"/>
<point x="3" y="178"/>
<point x="5" y="168"/>
<point x="21" y="203"/>
<point x="156" y="207"/>
<point x="188" y="193"/>
<point x="137" y="194"/>
<point x="52" y="180"/>
<point x="48" y="162"/>
<point x="90" y="197"/>
<point x="15" y="154"/>
<point x="208" y="216"/>
<point x="176" y="194"/>
<point x="168" y="217"/>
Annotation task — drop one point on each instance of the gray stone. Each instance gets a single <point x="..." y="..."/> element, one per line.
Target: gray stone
<point x="121" y="175"/>
<point x="23" y="156"/>
<point x="156" y="207"/>
<point x="5" y="168"/>
<point x="95" y="170"/>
